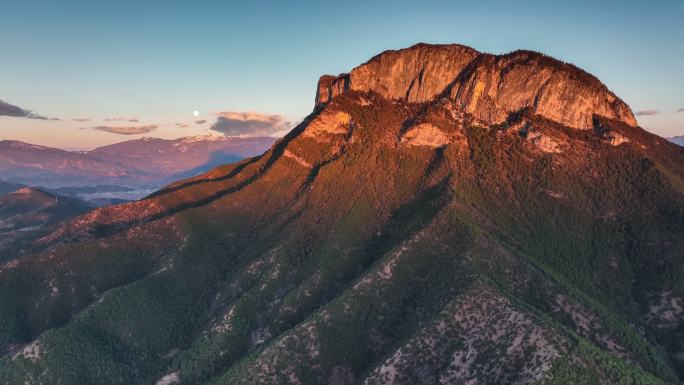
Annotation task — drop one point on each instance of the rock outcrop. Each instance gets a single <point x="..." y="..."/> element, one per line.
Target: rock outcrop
<point x="417" y="74"/>
<point x="489" y="87"/>
<point x="425" y="135"/>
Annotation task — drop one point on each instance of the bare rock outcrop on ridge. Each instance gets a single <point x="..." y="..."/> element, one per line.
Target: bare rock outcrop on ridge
<point x="486" y="86"/>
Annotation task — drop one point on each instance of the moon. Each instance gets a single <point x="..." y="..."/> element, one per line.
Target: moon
<point x="195" y="113"/>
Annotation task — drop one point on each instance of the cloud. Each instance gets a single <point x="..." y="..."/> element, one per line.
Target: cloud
<point x="182" y="125"/>
<point x="131" y="120"/>
<point x="681" y="109"/>
<point x="201" y="121"/>
<point x="7" y="109"/>
<point x="646" y="112"/>
<point x="232" y="123"/>
<point x="81" y="120"/>
<point x="128" y="130"/>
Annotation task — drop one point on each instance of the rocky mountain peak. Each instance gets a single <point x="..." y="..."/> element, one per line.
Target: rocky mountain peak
<point x="416" y="74"/>
<point x="489" y="87"/>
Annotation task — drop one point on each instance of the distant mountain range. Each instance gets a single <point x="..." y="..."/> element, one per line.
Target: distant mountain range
<point x="133" y="167"/>
<point x="677" y="140"/>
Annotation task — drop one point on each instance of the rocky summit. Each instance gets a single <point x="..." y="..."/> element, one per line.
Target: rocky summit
<point x="486" y="86"/>
<point x="442" y="216"/>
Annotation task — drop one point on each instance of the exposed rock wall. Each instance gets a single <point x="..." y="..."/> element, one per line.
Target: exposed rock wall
<point x="488" y="87"/>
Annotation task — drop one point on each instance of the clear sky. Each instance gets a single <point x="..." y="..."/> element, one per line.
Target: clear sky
<point x="146" y="66"/>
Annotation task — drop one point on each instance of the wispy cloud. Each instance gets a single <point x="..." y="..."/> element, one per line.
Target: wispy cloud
<point x="232" y="123"/>
<point x="127" y="130"/>
<point x="681" y="109"/>
<point x="81" y="120"/>
<point x="201" y="121"/>
<point x="182" y="125"/>
<point x="646" y="112"/>
<point x="7" y="109"/>
<point x="119" y="119"/>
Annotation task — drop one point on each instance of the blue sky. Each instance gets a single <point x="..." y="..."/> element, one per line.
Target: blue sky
<point x="156" y="62"/>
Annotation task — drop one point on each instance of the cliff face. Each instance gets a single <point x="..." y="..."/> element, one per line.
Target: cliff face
<point x="486" y="86"/>
<point x="417" y="74"/>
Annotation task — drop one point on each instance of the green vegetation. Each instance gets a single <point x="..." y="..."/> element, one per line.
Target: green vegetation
<point x="591" y="366"/>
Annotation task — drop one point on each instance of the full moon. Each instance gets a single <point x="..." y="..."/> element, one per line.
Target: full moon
<point x="195" y="113"/>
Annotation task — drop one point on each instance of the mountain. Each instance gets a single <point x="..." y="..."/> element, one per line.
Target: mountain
<point x="187" y="156"/>
<point x="141" y="163"/>
<point x="443" y="216"/>
<point x="31" y="164"/>
<point x="677" y="140"/>
<point x="29" y="213"/>
<point x="7" y="187"/>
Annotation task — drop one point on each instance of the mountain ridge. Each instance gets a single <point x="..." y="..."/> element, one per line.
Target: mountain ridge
<point x="147" y="161"/>
<point x="479" y="83"/>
